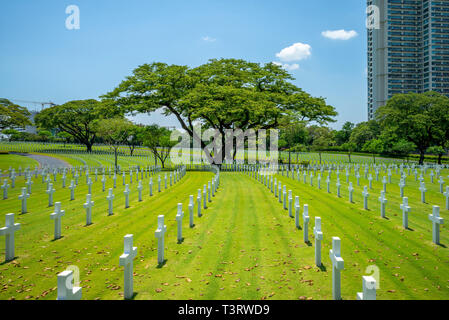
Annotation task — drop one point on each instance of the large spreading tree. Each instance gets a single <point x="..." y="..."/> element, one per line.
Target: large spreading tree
<point x="422" y="119"/>
<point x="223" y="94"/>
<point x="77" y="118"/>
<point x="12" y="115"/>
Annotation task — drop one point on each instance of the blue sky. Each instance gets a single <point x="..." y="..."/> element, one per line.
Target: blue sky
<point x="41" y="60"/>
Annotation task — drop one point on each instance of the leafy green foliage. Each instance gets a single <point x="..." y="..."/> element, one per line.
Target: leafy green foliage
<point x="158" y="140"/>
<point x="77" y="118"/>
<point x="222" y="94"/>
<point x="12" y="115"/>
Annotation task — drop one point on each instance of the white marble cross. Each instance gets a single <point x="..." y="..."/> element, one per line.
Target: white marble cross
<point x="290" y="203"/>
<point x="159" y="183"/>
<point x="208" y="192"/>
<point x="72" y="190"/>
<point x="351" y="190"/>
<point x="338" y="187"/>
<point x="383" y="201"/>
<point x="337" y="266"/>
<point x="179" y="216"/>
<point x="384" y="184"/>
<point x="5" y="187"/>
<point x="165" y="181"/>
<point x="126" y="193"/>
<point x="365" y="195"/>
<point x="401" y="187"/>
<point x="318" y="238"/>
<point x="160" y="234"/>
<point x="204" y="197"/>
<point x="370" y="180"/>
<point x="89" y="185"/>
<point x="103" y="183"/>
<point x="8" y="231"/>
<point x="436" y="221"/>
<point x="123" y="178"/>
<point x="126" y="260"/>
<point x="114" y="179"/>
<point x="311" y="179"/>
<point x="56" y="216"/>
<point x="441" y="182"/>
<point x="405" y="211"/>
<point x="284" y="197"/>
<point x="319" y="181"/>
<point x="423" y="190"/>
<point x="28" y="184"/>
<point x="88" y="206"/>
<point x="50" y="191"/>
<point x="369" y="289"/>
<point x="198" y="200"/>
<point x="306" y="219"/>
<point x="66" y="290"/>
<point x="297" y="211"/>
<point x="191" y="224"/>
<point x="110" y="199"/>
<point x="431" y="176"/>
<point x="358" y="178"/>
<point x="151" y="186"/>
<point x="446" y="195"/>
<point x="24" y="196"/>
<point x="139" y="189"/>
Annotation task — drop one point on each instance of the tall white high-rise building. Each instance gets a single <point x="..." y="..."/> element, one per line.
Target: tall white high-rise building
<point x="408" y="49"/>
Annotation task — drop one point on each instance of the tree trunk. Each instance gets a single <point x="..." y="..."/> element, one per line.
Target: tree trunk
<point x="349" y="156"/>
<point x="374" y="157"/>
<point x="440" y="158"/>
<point x="421" y="157"/>
<point x="320" y="157"/>
<point x="88" y="147"/>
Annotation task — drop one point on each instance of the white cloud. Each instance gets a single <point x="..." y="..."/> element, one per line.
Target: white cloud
<point x="339" y="34"/>
<point x="295" y="52"/>
<point x="286" y="66"/>
<point x="209" y="39"/>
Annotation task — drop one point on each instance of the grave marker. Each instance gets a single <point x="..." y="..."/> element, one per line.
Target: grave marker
<point x="56" y="216"/>
<point x="126" y="260"/>
<point x="318" y="238"/>
<point x="337" y="266"/>
<point x="66" y="290"/>
<point x="160" y="234"/>
<point x="8" y="231"/>
<point x="436" y="222"/>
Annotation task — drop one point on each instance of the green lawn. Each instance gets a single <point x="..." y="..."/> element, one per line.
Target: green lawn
<point x="16" y="161"/>
<point x="244" y="246"/>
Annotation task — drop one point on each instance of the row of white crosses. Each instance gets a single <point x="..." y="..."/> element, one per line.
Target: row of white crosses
<point x="334" y="253"/>
<point x="405" y="208"/>
<point x="66" y="290"/>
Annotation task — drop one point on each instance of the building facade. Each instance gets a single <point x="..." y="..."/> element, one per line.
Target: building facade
<point x="408" y="49"/>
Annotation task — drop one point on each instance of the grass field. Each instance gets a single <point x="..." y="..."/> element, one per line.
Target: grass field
<point x="243" y="247"/>
<point x="16" y="161"/>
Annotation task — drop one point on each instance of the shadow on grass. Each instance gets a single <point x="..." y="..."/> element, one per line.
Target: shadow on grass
<point x="180" y="241"/>
<point x="323" y="268"/>
<point x="133" y="297"/>
<point x="442" y="245"/>
<point x="6" y="262"/>
<point x="309" y="243"/>
<point x="53" y="240"/>
<point x="160" y="265"/>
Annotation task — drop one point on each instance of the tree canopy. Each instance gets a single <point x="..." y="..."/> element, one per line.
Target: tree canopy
<point x="78" y="118"/>
<point x="418" y="118"/>
<point x="221" y="94"/>
<point x="12" y="115"/>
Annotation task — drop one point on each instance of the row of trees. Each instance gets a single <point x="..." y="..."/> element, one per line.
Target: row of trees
<point x="236" y="94"/>
<point x="408" y="123"/>
<point x="221" y="94"/>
